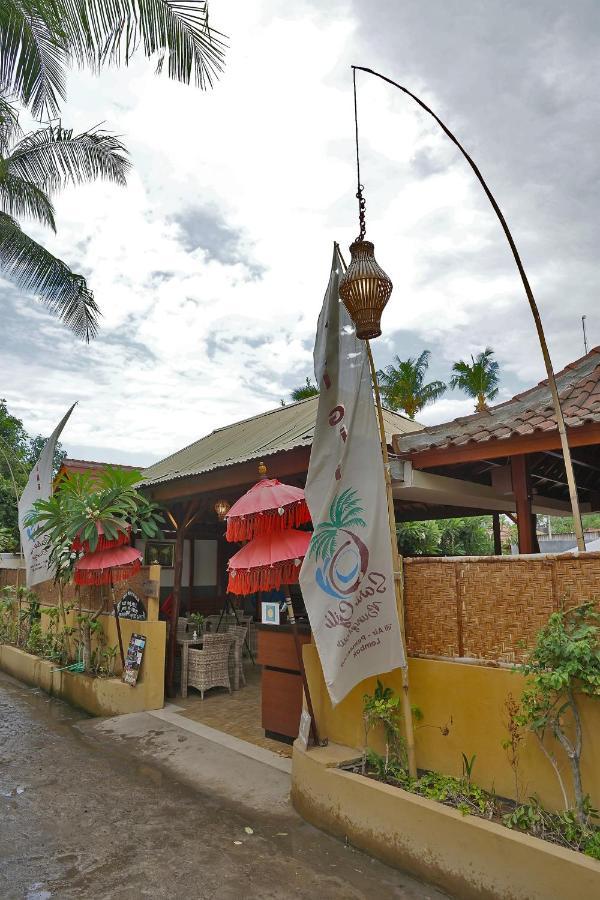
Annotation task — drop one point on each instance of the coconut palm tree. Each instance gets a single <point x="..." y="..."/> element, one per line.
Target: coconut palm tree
<point x="33" y="167"/>
<point x="41" y="39"/>
<point x="403" y="385"/>
<point x="478" y="379"/>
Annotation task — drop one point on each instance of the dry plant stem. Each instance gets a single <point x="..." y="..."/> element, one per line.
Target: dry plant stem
<point x="552" y="760"/>
<point x="573" y="751"/>
<point x="560" y="421"/>
<point x="63" y="618"/>
<point x="405" y="694"/>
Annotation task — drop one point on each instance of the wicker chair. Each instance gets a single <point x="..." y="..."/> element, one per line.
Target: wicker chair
<point x="209" y="667"/>
<point x="236" y="667"/>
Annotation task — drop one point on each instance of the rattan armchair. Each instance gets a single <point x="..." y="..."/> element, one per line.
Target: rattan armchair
<point x="209" y="667"/>
<point x="236" y="667"/>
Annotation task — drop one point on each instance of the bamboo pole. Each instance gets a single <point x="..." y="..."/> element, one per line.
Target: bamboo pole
<point x="298" y="645"/>
<point x="398" y="582"/>
<point x="560" y="421"/>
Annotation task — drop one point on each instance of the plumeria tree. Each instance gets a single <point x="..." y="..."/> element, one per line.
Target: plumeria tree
<point x="86" y="507"/>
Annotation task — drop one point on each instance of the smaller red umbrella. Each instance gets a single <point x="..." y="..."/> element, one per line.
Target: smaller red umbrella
<point x="268" y="561"/>
<point x="104" y="543"/>
<point x="107" y="566"/>
<point x="268" y="506"/>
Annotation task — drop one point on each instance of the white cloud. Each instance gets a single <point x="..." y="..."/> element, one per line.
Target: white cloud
<point x="194" y="337"/>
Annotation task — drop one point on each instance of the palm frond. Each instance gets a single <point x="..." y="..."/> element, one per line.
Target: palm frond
<point x="36" y="270"/>
<point x="101" y="32"/>
<point x="53" y="157"/>
<point x="22" y="198"/>
<point x="32" y="54"/>
<point x="9" y="125"/>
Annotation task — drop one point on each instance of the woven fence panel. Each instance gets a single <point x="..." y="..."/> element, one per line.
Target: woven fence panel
<point x="430" y="608"/>
<point x="578" y="580"/>
<point x="490" y="608"/>
<point x="504" y="606"/>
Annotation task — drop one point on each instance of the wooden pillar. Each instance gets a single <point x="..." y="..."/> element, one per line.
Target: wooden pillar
<point x="191" y="568"/>
<point x="497" y="535"/>
<point x="522" y="491"/>
<point x="183" y="521"/>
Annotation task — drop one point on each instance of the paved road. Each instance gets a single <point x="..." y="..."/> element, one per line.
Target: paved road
<point x="90" y="814"/>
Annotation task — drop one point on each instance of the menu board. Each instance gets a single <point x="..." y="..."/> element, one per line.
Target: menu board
<point x="133" y="659"/>
<point x="131" y="607"/>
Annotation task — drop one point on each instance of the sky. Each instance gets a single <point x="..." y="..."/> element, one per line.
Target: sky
<point x="211" y="265"/>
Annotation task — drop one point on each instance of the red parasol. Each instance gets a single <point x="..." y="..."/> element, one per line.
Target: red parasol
<point x="104" y="543"/>
<point x="268" y="561"/>
<point x="267" y="507"/>
<point x="107" y="566"/>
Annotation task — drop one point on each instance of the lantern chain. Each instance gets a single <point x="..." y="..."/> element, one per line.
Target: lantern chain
<point x="362" y="203"/>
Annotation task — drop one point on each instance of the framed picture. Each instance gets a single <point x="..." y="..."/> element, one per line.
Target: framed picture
<point x="270" y="613"/>
<point x="161" y="553"/>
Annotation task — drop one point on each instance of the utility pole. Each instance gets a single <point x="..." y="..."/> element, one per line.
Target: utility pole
<point x="583" y="318"/>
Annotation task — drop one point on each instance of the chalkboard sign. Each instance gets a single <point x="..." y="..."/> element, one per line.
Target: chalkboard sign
<point x="131" y="607"/>
<point x="133" y="659"/>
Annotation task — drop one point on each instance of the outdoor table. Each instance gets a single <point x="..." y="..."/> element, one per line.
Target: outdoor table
<point x="185" y="643"/>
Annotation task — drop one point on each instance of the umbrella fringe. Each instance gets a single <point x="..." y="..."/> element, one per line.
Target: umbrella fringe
<point x="263" y="578"/>
<point x="103" y="543"/>
<point x="244" y="528"/>
<point x="105" y="576"/>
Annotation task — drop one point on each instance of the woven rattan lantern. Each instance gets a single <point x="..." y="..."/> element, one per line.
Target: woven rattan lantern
<point x="365" y="290"/>
<point x="222" y="507"/>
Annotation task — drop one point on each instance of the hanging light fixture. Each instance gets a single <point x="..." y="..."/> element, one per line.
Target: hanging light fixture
<point x="364" y="287"/>
<point x="222" y="507"/>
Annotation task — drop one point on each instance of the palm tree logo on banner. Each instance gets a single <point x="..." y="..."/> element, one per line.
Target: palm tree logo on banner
<point x="345" y="556"/>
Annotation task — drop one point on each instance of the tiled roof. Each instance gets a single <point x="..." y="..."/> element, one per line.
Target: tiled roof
<point x="85" y="465"/>
<point x="284" y="428"/>
<point x="529" y="412"/>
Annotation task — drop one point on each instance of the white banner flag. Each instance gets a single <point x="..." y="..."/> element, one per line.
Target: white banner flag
<point x="347" y="577"/>
<point x="39" y="487"/>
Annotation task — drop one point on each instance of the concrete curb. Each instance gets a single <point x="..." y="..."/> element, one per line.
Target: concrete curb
<point x="172" y="715"/>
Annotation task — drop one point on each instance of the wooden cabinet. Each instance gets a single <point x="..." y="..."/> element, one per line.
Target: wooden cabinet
<point x="281" y="680"/>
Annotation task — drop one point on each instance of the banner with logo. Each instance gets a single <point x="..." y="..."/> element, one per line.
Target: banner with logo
<point x="347" y="577"/>
<point x="39" y="487"/>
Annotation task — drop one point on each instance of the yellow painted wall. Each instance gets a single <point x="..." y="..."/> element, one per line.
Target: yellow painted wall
<point x="469" y="700"/>
<point x="102" y="696"/>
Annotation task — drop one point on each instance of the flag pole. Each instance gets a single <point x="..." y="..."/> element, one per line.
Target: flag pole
<point x="398" y="582"/>
<point x="398" y="579"/>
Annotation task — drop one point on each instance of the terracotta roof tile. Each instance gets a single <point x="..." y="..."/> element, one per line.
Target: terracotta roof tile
<point x="530" y="411"/>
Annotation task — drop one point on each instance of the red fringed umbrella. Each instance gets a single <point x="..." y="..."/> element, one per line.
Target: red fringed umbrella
<point x="104" y="543"/>
<point x="269" y="506"/>
<point x="107" y="566"/>
<point x="268" y="561"/>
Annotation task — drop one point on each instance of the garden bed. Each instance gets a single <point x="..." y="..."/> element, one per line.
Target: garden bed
<point x="461" y="794"/>
<point x="467" y="855"/>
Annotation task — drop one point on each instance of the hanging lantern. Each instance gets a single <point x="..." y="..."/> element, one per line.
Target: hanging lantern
<point x="365" y="290"/>
<point x="222" y="507"/>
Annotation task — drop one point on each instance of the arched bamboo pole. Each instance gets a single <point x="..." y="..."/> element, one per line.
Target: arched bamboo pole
<point x="562" y="431"/>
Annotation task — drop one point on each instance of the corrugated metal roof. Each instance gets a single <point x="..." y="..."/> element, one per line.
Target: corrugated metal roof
<point x="284" y="428"/>
<point x="530" y="411"/>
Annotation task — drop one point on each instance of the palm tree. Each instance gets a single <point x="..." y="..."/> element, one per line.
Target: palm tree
<point x="478" y="379"/>
<point x="40" y="39"/>
<point x="305" y="391"/>
<point x="402" y="386"/>
<point x="32" y="168"/>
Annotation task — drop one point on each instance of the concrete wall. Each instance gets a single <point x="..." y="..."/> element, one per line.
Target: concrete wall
<point x="469" y="700"/>
<point x="466" y="856"/>
<point x="101" y="696"/>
